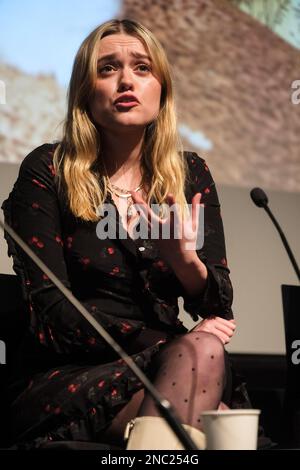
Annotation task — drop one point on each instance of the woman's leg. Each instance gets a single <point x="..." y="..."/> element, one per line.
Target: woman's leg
<point x="190" y="373"/>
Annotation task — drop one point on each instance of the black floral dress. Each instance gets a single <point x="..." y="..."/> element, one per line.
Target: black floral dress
<point x="67" y="383"/>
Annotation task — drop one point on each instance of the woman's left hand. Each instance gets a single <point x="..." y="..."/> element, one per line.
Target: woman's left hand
<point x="176" y="251"/>
<point x="223" y="329"/>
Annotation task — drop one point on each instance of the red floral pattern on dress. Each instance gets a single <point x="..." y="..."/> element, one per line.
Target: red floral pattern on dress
<point x="54" y="374"/>
<point x="205" y="166"/>
<point x="59" y="240"/>
<point x="101" y="384"/>
<point x="125" y="327"/>
<point x="92" y="341"/>
<point x="39" y="184"/>
<point x="72" y="388"/>
<point x="115" y="270"/>
<point x="41" y="337"/>
<point x="36" y="241"/>
<point x="69" y="242"/>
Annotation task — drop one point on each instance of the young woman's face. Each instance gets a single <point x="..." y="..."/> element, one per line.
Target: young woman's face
<point x="127" y="70"/>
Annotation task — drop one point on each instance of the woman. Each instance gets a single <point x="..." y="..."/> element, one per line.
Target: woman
<point x="119" y="147"/>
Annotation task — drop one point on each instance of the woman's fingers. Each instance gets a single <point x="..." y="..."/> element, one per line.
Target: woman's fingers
<point x="195" y="210"/>
<point x="224" y="338"/>
<point x="224" y="328"/>
<point x="209" y="326"/>
<point x="149" y="213"/>
<point x="218" y="326"/>
<point x="172" y="218"/>
<point x="144" y="207"/>
<point x="228" y="323"/>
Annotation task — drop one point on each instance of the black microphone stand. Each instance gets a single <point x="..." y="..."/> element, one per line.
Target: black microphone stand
<point x="163" y="405"/>
<point x="291" y="310"/>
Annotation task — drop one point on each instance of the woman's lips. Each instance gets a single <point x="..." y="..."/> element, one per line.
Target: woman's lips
<point x="126" y="104"/>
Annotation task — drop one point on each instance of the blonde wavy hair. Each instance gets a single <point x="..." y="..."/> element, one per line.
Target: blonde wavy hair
<point x="76" y="158"/>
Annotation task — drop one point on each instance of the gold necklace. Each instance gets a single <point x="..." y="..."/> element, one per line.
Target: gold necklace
<point x="125" y="193"/>
<point x="121" y="192"/>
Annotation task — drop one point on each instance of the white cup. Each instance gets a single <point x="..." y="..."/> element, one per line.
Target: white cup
<point x="231" y="429"/>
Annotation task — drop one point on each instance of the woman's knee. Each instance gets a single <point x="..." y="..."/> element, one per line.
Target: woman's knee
<point x="208" y="343"/>
<point x="208" y="353"/>
<point x="192" y="345"/>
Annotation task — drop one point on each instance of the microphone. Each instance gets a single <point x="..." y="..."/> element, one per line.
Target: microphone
<point x="260" y="199"/>
<point x="164" y="406"/>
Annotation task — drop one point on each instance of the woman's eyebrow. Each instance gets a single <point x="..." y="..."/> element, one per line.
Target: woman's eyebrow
<point x="137" y="55"/>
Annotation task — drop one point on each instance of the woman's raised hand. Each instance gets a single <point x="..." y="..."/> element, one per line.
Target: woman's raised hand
<point x="177" y="235"/>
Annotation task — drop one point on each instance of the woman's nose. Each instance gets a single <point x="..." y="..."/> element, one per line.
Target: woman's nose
<point x="126" y="79"/>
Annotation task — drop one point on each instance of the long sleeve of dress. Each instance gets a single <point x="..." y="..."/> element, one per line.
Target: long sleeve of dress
<point x="33" y="210"/>
<point x="216" y="299"/>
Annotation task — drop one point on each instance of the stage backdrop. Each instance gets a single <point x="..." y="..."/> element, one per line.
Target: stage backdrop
<point x="236" y="67"/>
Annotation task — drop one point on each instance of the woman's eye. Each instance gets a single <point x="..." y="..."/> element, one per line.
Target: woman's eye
<point x="145" y="66"/>
<point x="109" y="68"/>
<point x="106" y="68"/>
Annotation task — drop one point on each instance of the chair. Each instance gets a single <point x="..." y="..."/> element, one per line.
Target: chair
<point x="13" y="322"/>
<point x="14" y="319"/>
